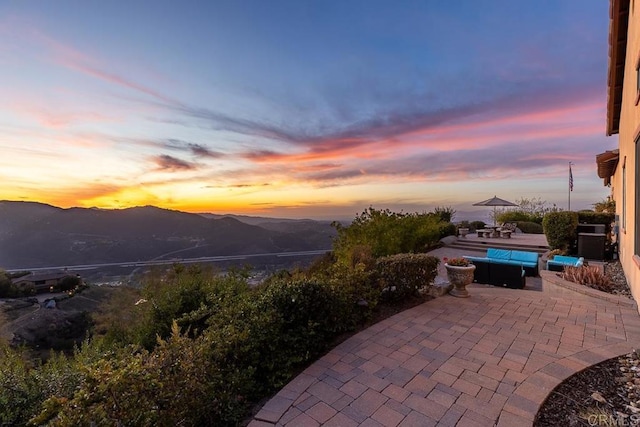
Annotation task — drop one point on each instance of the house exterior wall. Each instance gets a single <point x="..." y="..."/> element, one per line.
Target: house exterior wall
<point x="23" y="283"/>
<point x="38" y="285"/>
<point x="624" y="193"/>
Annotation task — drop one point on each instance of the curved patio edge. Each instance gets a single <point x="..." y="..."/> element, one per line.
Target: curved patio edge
<point x="523" y="406"/>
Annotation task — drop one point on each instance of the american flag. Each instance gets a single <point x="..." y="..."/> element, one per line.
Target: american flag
<point x="570" y="179"/>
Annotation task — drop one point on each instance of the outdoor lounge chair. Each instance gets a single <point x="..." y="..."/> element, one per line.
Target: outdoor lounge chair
<point x="560" y="261"/>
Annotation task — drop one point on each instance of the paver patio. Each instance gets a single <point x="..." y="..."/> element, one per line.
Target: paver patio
<point x="487" y="360"/>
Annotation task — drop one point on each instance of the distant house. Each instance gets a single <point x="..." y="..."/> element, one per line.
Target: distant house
<point x="44" y="282"/>
<point x="620" y="168"/>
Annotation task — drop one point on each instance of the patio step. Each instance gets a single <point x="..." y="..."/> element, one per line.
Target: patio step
<point x="483" y="245"/>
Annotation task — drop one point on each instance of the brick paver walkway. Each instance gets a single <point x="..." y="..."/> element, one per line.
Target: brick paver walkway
<point x="487" y="360"/>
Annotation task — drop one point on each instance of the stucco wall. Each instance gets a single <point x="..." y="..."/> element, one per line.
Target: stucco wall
<point x="629" y="131"/>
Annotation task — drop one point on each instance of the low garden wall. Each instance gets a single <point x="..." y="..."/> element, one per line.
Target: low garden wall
<point x="551" y="279"/>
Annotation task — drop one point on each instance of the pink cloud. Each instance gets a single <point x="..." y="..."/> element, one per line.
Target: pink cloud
<point x="114" y="79"/>
<point x="475" y="135"/>
<point x="71" y="58"/>
<point x="59" y="118"/>
<point x="510" y="142"/>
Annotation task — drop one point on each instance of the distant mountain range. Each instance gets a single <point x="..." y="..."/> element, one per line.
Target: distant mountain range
<point x="40" y="235"/>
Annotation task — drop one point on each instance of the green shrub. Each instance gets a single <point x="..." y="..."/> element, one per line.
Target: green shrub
<point x="7" y="290"/>
<point x="321" y="264"/>
<point x="188" y="295"/>
<point x="174" y="384"/>
<point x="444" y="213"/>
<point x="293" y="322"/>
<point x="69" y="282"/>
<point x="519" y="216"/>
<point x="24" y="387"/>
<point x="386" y="233"/>
<point x="117" y="317"/>
<point x="210" y="379"/>
<point x="528" y="210"/>
<point x="309" y="311"/>
<point x="20" y="396"/>
<point x="606" y="205"/>
<point x="356" y="283"/>
<point x="362" y="255"/>
<point x="447" y="229"/>
<point x="256" y="339"/>
<point x="360" y="287"/>
<point x="530" y="227"/>
<point x="403" y="275"/>
<point x="560" y="229"/>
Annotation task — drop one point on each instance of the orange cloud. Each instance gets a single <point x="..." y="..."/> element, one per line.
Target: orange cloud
<point x="540" y="125"/>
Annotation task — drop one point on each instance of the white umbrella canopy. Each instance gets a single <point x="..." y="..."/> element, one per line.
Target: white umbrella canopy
<point x="495" y="201"/>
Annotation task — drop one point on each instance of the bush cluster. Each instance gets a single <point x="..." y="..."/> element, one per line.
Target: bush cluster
<point x="403" y="275"/>
<point x="560" y="229"/>
<point x="384" y="233"/>
<point x="588" y="217"/>
<point x="7" y="290"/>
<point x="530" y="227"/>
<point x="445" y="229"/>
<point x="519" y="216"/>
<point x="528" y="211"/>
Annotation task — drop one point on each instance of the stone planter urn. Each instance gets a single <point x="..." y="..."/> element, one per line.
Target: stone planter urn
<point x="460" y="277"/>
<point x="463" y="232"/>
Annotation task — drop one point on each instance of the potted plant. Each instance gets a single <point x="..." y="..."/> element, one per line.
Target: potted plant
<point x="460" y="274"/>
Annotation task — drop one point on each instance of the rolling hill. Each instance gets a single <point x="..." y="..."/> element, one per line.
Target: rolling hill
<point x="40" y="235"/>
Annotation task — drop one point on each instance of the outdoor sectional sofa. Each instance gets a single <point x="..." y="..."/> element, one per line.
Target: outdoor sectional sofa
<point x="505" y="275"/>
<point x="502" y="267"/>
<point x="560" y="261"/>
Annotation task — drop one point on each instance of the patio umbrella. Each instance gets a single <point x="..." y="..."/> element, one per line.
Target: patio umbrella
<point x="495" y="202"/>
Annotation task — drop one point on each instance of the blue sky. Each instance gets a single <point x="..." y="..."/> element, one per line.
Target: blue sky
<point x="302" y="108"/>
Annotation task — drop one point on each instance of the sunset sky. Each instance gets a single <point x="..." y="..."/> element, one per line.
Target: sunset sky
<point x="314" y="109"/>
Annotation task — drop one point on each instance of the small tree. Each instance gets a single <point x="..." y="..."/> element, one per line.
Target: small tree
<point x="6" y="287"/>
<point x="383" y="232"/>
<point x="528" y="210"/>
<point x="607" y="205"/>
<point x="445" y="213"/>
<point x="70" y="282"/>
<point x="560" y="229"/>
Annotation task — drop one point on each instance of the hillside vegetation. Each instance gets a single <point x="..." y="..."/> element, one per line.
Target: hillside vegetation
<point x="194" y="347"/>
